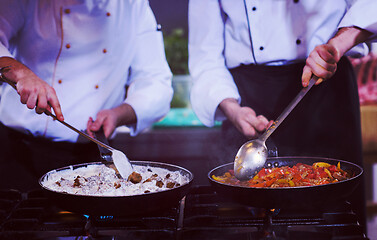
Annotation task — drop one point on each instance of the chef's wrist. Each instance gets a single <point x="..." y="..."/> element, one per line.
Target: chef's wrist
<point x="15" y="70"/>
<point x="229" y="106"/>
<point x="4" y="70"/>
<point x="125" y="115"/>
<point x="348" y="37"/>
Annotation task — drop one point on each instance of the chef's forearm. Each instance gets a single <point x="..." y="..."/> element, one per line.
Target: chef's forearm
<point x="348" y="37"/>
<point x="16" y="70"/>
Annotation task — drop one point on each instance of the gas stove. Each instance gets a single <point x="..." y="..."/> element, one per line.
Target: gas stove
<point x="202" y="214"/>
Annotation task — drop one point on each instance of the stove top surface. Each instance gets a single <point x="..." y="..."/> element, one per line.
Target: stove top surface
<point x="202" y="214"/>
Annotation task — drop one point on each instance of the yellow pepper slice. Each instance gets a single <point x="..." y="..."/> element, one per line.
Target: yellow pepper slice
<point x="218" y="178"/>
<point x="291" y="183"/>
<point x="282" y="181"/>
<point x="321" y="164"/>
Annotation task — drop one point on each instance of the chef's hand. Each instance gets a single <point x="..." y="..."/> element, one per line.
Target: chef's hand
<point x="244" y="118"/>
<point x="110" y="119"/>
<point x="322" y="61"/>
<point x="33" y="91"/>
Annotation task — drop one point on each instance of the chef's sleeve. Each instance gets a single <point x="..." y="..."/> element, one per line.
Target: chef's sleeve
<point x="212" y="81"/>
<point x="150" y="90"/>
<point x="11" y="20"/>
<point x="362" y="14"/>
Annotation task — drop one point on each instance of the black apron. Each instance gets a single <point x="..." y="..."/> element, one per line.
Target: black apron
<point x="326" y="123"/>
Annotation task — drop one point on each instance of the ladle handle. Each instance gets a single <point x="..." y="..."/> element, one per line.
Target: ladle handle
<point x="288" y="109"/>
<point x="48" y="113"/>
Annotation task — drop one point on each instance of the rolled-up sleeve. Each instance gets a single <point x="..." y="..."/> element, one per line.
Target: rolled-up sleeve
<point x="212" y="81"/>
<point x="150" y="90"/>
<point x="362" y="14"/>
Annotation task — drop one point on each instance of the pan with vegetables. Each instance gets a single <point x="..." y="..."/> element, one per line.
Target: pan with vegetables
<point x="287" y="182"/>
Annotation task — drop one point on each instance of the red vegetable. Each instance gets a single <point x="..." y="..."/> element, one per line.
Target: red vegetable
<point x="299" y="175"/>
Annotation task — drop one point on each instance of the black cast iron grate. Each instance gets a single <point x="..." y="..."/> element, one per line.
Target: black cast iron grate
<point x="202" y="214"/>
<point x="207" y="212"/>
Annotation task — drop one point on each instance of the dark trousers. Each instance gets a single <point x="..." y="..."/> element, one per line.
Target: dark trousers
<point x="24" y="158"/>
<point x="326" y="123"/>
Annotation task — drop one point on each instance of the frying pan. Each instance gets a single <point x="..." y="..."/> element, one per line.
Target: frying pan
<point x="120" y="205"/>
<point x="294" y="197"/>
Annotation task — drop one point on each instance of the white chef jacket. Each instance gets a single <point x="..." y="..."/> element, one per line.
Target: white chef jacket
<point x="362" y="14"/>
<point x="88" y="51"/>
<point x="269" y="32"/>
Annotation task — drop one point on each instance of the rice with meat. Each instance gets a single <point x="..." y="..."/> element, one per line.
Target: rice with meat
<point x="100" y="180"/>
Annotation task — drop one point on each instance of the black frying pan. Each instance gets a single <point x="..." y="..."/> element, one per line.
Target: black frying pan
<point x="296" y="197"/>
<point x="121" y="205"/>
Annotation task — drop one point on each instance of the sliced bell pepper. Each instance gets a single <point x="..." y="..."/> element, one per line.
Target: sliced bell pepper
<point x="321" y="164"/>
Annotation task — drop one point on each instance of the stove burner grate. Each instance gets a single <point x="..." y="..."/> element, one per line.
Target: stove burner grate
<point x="202" y="214"/>
<point x="207" y="214"/>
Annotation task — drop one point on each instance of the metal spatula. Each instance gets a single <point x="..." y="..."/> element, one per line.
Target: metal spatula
<point x="106" y="154"/>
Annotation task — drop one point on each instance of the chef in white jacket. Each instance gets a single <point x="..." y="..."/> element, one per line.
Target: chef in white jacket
<point x="100" y="61"/>
<point x="247" y="58"/>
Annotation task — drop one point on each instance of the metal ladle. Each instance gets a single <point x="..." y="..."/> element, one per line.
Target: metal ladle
<point x="120" y="160"/>
<point x="253" y="154"/>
